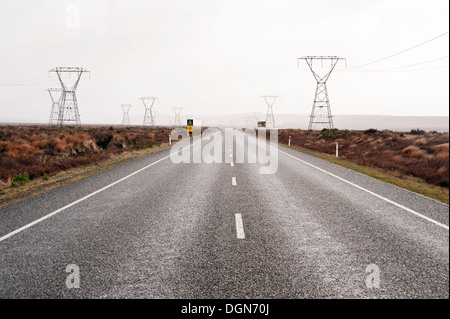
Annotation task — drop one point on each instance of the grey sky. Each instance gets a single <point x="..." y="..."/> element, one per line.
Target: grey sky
<point x="219" y="57"/>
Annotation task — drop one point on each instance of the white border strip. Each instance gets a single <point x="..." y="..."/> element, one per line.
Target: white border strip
<point x="368" y="191"/>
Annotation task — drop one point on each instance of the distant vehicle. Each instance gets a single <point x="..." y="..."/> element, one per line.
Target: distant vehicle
<point x="261" y="123"/>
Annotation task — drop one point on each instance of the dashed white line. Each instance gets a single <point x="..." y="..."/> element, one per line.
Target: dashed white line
<point x="233" y="181"/>
<point x="239" y="227"/>
<point x="232" y="164"/>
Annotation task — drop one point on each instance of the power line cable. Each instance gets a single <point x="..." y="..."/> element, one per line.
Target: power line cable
<point x="30" y="84"/>
<point x="105" y="90"/>
<point x="94" y="97"/>
<point x="406" y="66"/>
<point x="30" y="81"/>
<point x="423" y="69"/>
<point x="398" y="53"/>
<point x="289" y="87"/>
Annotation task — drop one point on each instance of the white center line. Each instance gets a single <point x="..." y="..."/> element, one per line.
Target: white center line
<point x="239" y="227"/>
<point x="233" y="181"/>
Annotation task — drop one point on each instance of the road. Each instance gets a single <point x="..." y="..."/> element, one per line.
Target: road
<point x="156" y="229"/>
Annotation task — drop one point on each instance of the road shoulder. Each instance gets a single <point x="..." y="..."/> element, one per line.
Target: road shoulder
<point x="40" y="186"/>
<point x="410" y="183"/>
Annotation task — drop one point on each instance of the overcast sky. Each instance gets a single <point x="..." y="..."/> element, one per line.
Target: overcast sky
<point x="220" y="57"/>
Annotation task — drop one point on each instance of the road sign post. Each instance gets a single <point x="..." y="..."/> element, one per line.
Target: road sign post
<point x="190" y="126"/>
<point x="289" y="143"/>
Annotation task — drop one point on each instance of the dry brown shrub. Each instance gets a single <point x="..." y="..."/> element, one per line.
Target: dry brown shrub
<point x="6" y="182"/>
<point x="3" y="146"/>
<point x="442" y="151"/>
<point x="421" y="141"/>
<point x="417" y="154"/>
<point x="395" y="158"/>
<point x="443" y="155"/>
<point x="409" y="137"/>
<point x="409" y="149"/>
<point x="60" y="146"/>
<point x="91" y="146"/>
<point x="73" y="140"/>
<point x="352" y="146"/>
<point x="39" y="144"/>
<point x="15" y="139"/>
<point x="11" y="151"/>
<point x="442" y="170"/>
<point x="441" y="148"/>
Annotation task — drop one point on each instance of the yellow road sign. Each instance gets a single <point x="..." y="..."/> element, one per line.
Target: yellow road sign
<point x="190" y="128"/>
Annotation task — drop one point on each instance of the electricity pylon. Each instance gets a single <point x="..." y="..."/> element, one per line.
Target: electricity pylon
<point x="68" y="108"/>
<point x="126" y="116"/>
<point x="270" y="101"/>
<point x="55" y="96"/>
<point x="177" y="119"/>
<point x="149" y="101"/>
<point x="321" y="110"/>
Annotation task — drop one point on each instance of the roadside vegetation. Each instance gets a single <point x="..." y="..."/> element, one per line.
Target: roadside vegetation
<point x="415" y="160"/>
<point x="32" y="152"/>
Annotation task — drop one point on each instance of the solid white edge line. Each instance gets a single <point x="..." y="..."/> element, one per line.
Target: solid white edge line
<point x="239" y="227"/>
<point x="81" y="199"/>
<point x="368" y="191"/>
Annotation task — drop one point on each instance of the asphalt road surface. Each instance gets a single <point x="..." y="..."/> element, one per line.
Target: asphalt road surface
<point x="157" y="229"/>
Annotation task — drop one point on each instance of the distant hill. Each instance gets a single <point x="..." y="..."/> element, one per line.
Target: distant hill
<point x="300" y="121"/>
<point x="354" y="122"/>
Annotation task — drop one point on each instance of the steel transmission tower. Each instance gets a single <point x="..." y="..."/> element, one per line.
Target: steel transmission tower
<point x="149" y="101"/>
<point x="68" y="108"/>
<point x="177" y="120"/>
<point x="126" y="116"/>
<point x="55" y="96"/>
<point x="270" y="101"/>
<point x="321" y="111"/>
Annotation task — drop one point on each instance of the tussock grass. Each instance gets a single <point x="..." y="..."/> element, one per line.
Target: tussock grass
<point x="420" y="155"/>
<point x="407" y="182"/>
<point x="44" y="151"/>
<point x="417" y="161"/>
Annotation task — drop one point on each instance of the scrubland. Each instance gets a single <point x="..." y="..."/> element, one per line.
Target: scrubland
<point x="418" y="154"/>
<point x="31" y="152"/>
